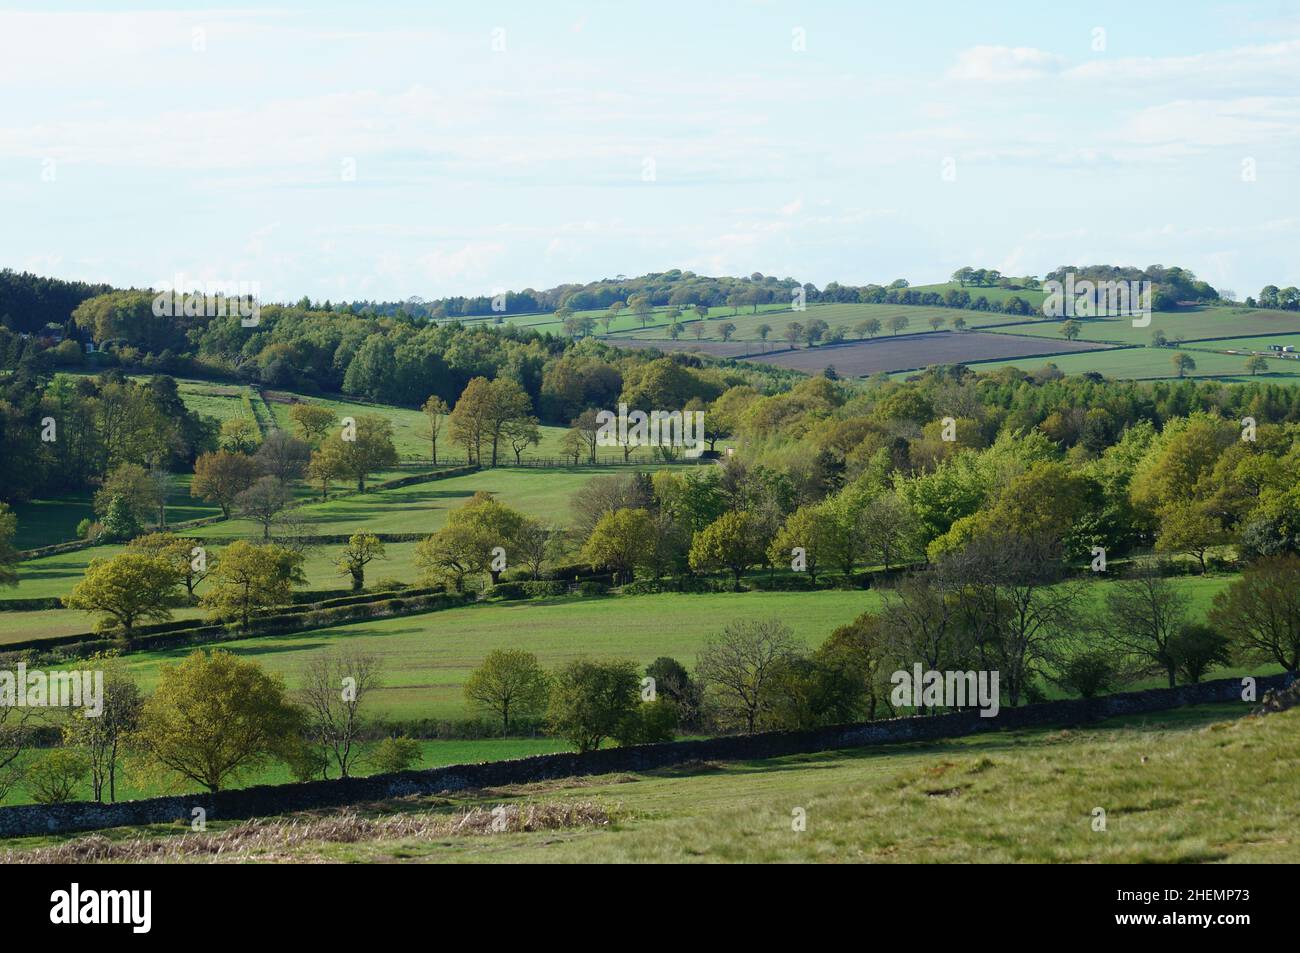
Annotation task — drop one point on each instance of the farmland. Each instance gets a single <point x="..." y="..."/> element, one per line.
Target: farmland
<point x="423" y="507"/>
<point x="993" y="340"/>
<point x="862" y="358"/>
<point x="657" y="320"/>
<point x="1191" y="324"/>
<point x="418" y="508"/>
<point x="427" y="657"/>
<point x="1148" y="363"/>
<point x="843" y="316"/>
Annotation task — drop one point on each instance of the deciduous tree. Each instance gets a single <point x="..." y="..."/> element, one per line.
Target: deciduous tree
<point x="214" y="717"/>
<point x="128" y="588"/>
<point x="510" y="683"/>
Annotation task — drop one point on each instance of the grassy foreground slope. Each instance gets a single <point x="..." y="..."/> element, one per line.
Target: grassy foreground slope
<point x="1224" y="791"/>
<point x="1183" y="786"/>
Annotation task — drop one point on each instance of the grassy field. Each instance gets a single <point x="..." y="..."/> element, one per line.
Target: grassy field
<point x="423" y="507"/>
<point x="427" y="657"/>
<point x="50" y="623"/>
<point x="1150" y="363"/>
<point x="47" y="522"/>
<point x="1192" y="324"/>
<point x="411" y="428"/>
<point x="56" y="575"/>
<point x="835" y="315"/>
<point x="1194" y="785"/>
<point x="628" y="321"/>
<point x="1249" y="344"/>
<point x="221" y="401"/>
<point x="420" y="508"/>
<point x="976" y="291"/>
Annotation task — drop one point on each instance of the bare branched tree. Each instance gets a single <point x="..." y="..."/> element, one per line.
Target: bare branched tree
<point x="920" y="623"/>
<point x="1144" y="613"/>
<point x="334" y="687"/>
<point x="15" y="738"/>
<point x="739" y="669"/>
<point x="1015" y="603"/>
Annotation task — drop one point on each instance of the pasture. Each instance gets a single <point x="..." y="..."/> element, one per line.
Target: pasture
<point x="1149" y="363"/>
<point x="548" y="323"/>
<point x="1190" y="324"/>
<point x="1190" y="786"/>
<point x="1035" y="298"/>
<point x="540" y="492"/>
<point x="428" y="657"/>
<point x="863" y="358"/>
<point x="51" y="521"/>
<point x="846" y="316"/>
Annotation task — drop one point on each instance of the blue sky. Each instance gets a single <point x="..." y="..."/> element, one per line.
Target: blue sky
<point x="141" y="141"/>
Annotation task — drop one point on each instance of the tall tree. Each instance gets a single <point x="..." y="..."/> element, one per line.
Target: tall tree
<point x="435" y="411"/>
<point x="221" y="476"/>
<point x="1260" y="612"/>
<point x="361" y="550"/>
<point x="1144" y="613"/>
<point x="364" y="447"/>
<point x="334" y="686"/>
<point x="104" y="737"/>
<point x="739" y="669"/>
<point x="311" y="421"/>
<point x="249" y="577"/>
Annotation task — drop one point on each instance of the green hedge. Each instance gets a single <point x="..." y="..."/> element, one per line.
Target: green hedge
<point x="30" y="605"/>
<point x="544" y="588"/>
<point x="281" y="620"/>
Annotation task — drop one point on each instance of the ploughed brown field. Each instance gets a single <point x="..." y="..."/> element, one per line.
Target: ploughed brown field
<point x="860" y="358"/>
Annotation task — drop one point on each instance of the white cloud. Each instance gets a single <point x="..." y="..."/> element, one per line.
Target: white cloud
<point x="1212" y="123"/>
<point x="1215" y="71"/>
<point x="1004" y="64"/>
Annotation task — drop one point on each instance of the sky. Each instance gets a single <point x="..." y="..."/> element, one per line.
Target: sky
<point x="386" y="150"/>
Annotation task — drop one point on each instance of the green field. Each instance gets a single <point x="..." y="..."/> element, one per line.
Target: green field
<point x="51" y="623"/>
<point x="47" y="522"/>
<point x="835" y="315"/>
<point x="411" y="428"/>
<point x="222" y="401"/>
<point x="56" y="575"/>
<point x="1249" y="344"/>
<point x="628" y="321"/>
<point x="1149" y="363"/>
<point x="422" y="507"/>
<point x="427" y="657"/>
<point x="1192" y="324"/>
<point x="976" y="291"/>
